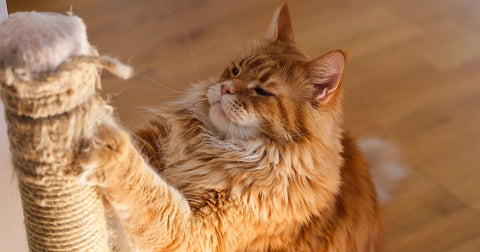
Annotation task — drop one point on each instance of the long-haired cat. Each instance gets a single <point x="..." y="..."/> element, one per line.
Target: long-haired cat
<point x="258" y="161"/>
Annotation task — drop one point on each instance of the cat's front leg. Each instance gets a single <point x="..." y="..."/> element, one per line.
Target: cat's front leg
<point x="155" y="216"/>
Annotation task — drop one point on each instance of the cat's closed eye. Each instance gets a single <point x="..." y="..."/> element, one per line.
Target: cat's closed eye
<point x="262" y="92"/>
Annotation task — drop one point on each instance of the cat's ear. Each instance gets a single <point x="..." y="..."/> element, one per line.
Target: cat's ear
<point x="281" y="28"/>
<point x="325" y="73"/>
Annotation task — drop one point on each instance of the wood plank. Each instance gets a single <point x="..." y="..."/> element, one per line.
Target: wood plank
<point x="442" y="234"/>
<point x="411" y="77"/>
<point x="471" y="245"/>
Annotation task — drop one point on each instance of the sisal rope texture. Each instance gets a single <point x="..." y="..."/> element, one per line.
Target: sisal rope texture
<point x="49" y="115"/>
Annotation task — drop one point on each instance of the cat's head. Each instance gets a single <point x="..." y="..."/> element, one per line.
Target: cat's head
<point x="276" y="91"/>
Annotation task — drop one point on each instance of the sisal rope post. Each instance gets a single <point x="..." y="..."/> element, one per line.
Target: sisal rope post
<point x="49" y="115"/>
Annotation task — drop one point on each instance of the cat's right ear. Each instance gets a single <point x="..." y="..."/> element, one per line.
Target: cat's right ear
<point x="281" y="28"/>
<point x="325" y="74"/>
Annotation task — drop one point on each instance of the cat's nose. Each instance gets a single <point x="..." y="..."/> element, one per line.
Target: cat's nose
<point x="225" y="89"/>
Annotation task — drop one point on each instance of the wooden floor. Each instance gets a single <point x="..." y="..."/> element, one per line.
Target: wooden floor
<point x="413" y="77"/>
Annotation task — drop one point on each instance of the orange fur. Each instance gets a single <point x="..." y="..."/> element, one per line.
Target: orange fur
<point x="264" y="165"/>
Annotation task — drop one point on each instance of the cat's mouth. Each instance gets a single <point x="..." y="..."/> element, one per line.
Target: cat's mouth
<point x="217" y="112"/>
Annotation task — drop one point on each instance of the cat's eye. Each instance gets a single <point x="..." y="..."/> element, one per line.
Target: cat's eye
<point x="262" y="92"/>
<point x="235" y="71"/>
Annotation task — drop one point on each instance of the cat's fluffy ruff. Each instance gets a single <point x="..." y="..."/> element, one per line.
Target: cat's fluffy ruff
<point x="298" y="183"/>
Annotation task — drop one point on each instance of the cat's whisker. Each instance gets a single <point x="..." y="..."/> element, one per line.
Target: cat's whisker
<point x="198" y="77"/>
<point x="192" y="55"/>
<point x="249" y="133"/>
<point x="282" y="120"/>
<point x="266" y="132"/>
<point x="167" y="96"/>
<point x="148" y="110"/>
<point x="230" y="126"/>
<point x="164" y="93"/>
<point x="204" y="78"/>
<point x="277" y="135"/>
<point x="158" y="98"/>
<point x="162" y="85"/>
<point x="242" y="133"/>
<point x="187" y="72"/>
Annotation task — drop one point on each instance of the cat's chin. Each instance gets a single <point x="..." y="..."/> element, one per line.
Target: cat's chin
<point x="218" y="117"/>
<point x="226" y="127"/>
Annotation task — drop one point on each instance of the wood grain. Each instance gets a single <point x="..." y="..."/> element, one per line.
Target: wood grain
<point x="412" y="77"/>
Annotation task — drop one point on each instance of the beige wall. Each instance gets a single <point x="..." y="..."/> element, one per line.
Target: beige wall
<point x="12" y="230"/>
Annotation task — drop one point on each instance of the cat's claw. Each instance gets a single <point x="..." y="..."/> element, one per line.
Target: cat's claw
<point x="102" y="154"/>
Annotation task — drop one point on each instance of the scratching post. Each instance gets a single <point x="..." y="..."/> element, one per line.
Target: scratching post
<point x="48" y="76"/>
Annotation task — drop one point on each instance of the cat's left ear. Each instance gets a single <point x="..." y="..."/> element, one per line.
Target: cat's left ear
<point x="281" y="28"/>
<point x="325" y="73"/>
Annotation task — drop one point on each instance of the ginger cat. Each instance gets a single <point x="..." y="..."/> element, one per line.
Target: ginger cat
<point x="263" y="164"/>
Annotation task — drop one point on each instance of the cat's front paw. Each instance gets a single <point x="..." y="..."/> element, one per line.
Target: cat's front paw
<point x="104" y="155"/>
